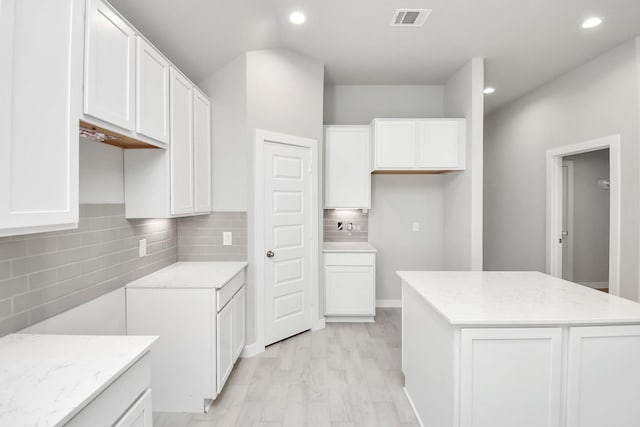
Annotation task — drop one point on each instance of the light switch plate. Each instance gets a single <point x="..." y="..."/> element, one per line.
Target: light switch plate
<point x="227" y="239"/>
<point x="416" y="227"/>
<point x="142" y="247"/>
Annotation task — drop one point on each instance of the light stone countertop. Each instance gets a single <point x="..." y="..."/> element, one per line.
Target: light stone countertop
<point x="45" y="380"/>
<point x="348" y="247"/>
<point x="517" y="298"/>
<point x="191" y="275"/>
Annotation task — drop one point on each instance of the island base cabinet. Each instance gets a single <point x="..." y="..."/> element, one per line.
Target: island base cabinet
<point x="140" y="414"/>
<point x="604" y="376"/>
<point x="510" y="377"/>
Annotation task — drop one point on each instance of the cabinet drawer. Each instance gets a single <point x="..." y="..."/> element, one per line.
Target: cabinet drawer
<point x="113" y="402"/>
<point x="352" y="259"/>
<point x="224" y="295"/>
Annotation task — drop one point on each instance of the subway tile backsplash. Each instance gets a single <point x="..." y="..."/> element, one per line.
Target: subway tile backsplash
<point x="200" y="237"/>
<point x="354" y="216"/>
<point x="44" y="274"/>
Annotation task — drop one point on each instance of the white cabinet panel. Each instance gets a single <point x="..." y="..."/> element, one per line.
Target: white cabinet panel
<point x="439" y="143"/>
<point x="109" y="66"/>
<point x="224" y="348"/>
<point x="41" y="45"/>
<point x="202" y="152"/>
<point x="510" y="377"/>
<point x="350" y="291"/>
<point x="239" y="301"/>
<point x="395" y="143"/>
<point x="152" y="90"/>
<point x="347" y="167"/>
<point x="181" y="147"/>
<point x="604" y="372"/>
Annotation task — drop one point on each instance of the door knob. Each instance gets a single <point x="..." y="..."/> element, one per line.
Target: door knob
<point x="270" y="254"/>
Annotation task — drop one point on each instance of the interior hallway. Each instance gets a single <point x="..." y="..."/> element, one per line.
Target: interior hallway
<point x="345" y="375"/>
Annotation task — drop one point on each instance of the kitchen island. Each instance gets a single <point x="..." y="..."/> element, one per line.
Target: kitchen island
<point x="505" y="349"/>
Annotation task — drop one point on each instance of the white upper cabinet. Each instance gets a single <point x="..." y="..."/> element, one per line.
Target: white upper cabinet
<point x="347" y="167"/>
<point x="395" y="143"/>
<point x="181" y="147"/>
<point x="201" y="152"/>
<point x="152" y="92"/>
<point x="109" y="66"/>
<point x="428" y="145"/>
<point x="441" y="144"/>
<point x="40" y="105"/>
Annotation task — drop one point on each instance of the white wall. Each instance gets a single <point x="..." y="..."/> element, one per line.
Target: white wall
<point x="591" y="217"/>
<point x="230" y="165"/>
<point x="597" y="99"/>
<point x="101" y="173"/>
<point x="463" y="98"/>
<point x="359" y="104"/>
<point x="277" y="90"/>
<point x="397" y="202"/>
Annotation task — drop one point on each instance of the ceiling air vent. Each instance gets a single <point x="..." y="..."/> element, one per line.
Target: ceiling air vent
<point x="410" y="17"/>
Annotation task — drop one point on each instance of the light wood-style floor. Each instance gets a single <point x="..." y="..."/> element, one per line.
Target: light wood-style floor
<point x="346" y="375"/>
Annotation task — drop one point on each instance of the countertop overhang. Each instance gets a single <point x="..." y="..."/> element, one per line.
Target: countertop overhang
<point x="473" y="298"/>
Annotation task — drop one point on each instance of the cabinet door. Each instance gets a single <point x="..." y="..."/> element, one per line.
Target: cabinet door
<point x="202" y="152"/>
<point x="350" y="290"/>
<point x="40" y="104"/>
<point x="239" y="301"/>
<point x="224" y="347"/>
<point x="438" y="144"/>
<point x="139" y="415"/>
<point x="152" y="89"/>
<point x="395" y="144"/>
<point x="604" y="376"/>
<point x="109" y="66"/>
<point x="510" y="377"/>
<point x="181" y="145"/>
<point x="347" y="167"/>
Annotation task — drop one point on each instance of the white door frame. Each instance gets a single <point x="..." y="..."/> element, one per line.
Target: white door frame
<point x="570" y="216"/>
<point x="262" y="137"/>
<point x="554" y="205"/>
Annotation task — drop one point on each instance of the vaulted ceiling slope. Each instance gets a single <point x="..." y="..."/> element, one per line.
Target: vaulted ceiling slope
<point x="525" y="42"/>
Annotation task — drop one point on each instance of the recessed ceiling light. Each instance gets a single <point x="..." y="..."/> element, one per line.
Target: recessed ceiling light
<point x="489" y="90"/>
<point x="592" y="22"/>
<point x="297" y="18"/>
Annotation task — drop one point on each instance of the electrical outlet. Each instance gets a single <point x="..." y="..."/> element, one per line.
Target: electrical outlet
<point x="416" y="227"/>
<point x="142" y="247"/>
<point x="227" y="238"/>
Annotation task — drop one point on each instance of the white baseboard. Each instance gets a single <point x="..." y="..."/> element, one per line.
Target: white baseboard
<point x="388" y="303"/>
<point x="406" y="392"/>
<point x="319" y="324"/>
<point x="595" y="285"/>
<point x="251" y="350"/>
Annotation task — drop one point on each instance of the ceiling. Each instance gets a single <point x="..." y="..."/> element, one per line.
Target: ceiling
<point x="525" y="42"/>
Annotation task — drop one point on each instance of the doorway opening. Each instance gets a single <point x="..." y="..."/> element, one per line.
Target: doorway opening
<point x="583" y="208"/>
<point x="585" y="218"/>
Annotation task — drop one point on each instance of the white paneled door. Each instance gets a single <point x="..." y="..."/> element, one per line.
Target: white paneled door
<point x="287" y="207"/>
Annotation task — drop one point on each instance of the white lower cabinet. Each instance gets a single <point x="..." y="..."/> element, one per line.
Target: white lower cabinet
<point x="510" y="377"/>
<point x="604" y="376"/>
<point x="125" y="403"/>
<point x="350" y="286"/>
<point x="201" y="335"/>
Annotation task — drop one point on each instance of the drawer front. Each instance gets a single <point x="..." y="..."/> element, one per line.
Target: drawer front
<point x="352" y="259"/>
<point x="224" y="294"/>
<point x="113" y="402"/>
